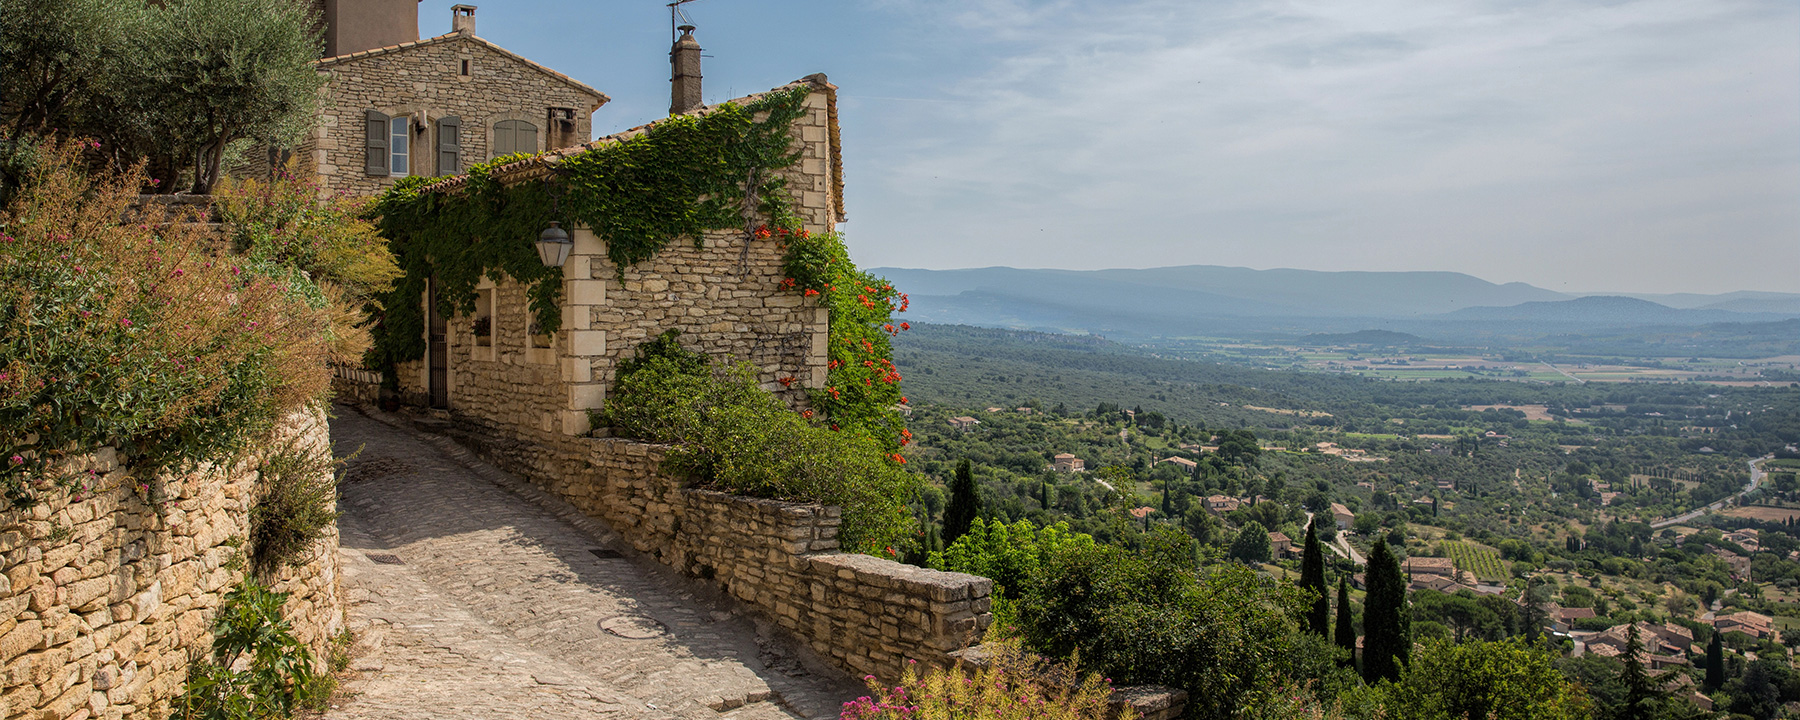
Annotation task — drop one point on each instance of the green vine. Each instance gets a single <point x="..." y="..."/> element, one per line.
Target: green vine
<point x="862" y="386"/>
<point x="681" y="177"/>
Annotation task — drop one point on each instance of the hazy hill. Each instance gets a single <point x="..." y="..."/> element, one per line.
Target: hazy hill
<point x="1610" y="310"/>
<point x="1208" y="290"/>
<point x="1372" y="338"/>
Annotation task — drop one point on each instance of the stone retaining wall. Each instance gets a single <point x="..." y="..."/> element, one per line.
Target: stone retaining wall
<point x="866" y="615"/>
<point x="104" y="598"/>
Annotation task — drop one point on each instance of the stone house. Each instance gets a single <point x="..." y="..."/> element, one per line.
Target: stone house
<point x="396" y="106"/>
<point x="1280" y="545"/>
<point x="1343" y="516"/>
<point x="964" y="423"/>
<point x="1756" y="625"/>
<point x="1429" y="566"/>
<point x="1066" y="462"/>
<point x="1222" y="503"/>
<point x="1180" y="462"/>
<point x="493" y="368"/>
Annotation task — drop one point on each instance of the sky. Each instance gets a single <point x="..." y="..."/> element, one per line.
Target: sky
<point x="1577" y="145"/>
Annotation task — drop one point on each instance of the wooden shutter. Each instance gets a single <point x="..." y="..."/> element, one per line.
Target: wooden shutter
<point x="501" y="141"/>
<point x="526" y="139"/>
<point x="449" y="146"/>
<point x="376" y="141"/>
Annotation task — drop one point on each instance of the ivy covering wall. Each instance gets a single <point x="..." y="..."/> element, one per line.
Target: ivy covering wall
<point x="680" y="178"/>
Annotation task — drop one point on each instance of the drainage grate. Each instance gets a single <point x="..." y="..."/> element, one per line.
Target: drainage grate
<point x="606" y="553"/>
<point x="384" y="558"/>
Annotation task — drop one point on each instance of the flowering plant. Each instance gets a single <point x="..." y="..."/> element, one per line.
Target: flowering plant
<point x="144" y="333"/>
<point x="862" y="388"/>
<point x="1014" y="686"/>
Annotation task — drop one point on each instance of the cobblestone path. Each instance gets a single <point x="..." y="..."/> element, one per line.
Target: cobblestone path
<point x="478" y="596"/>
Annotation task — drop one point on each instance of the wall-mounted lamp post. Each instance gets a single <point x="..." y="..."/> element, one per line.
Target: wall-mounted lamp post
<point x="553" y="245"/>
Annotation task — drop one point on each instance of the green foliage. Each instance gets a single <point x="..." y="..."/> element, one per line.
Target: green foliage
<point x="179" y="82"/>
<point x="316" y="242"/>
<point x="1479" y="680"/>
<point x="964" y="505"/>
<point x="295" y="505"/>
<point x="277" y="676"/>
<point x="1228" y="636"/>
<point x="1344" y="633"/>
<point x="1251" y="546"/>
<point x="862" y="388"/>
<point x="141" y="335"/>
<point x="1484" y="562"/>
<point x="730" y="434"/>
<point x="1013" y="556"/>
<point x="1312" y="577"/>
<point x="1387" y="635"/>
<point x="681" y="177"/>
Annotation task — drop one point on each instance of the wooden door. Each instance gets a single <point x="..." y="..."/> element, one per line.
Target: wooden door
<point x="438" y="347"/>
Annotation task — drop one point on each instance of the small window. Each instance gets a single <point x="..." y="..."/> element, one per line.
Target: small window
<point x="465" y="67"/>
<point x="399" y="133"/>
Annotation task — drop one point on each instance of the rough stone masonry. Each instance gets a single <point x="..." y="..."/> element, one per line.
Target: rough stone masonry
<point x="104" y="599"/>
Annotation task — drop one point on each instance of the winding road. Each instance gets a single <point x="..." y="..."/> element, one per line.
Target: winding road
<point x="1756" y="477"/>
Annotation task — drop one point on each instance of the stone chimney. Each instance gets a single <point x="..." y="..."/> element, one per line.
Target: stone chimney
<point x="684" y="89"/>
<point x="462" y="19"/>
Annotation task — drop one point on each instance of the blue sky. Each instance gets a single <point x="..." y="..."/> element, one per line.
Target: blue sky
<point x="1624" y="145"/>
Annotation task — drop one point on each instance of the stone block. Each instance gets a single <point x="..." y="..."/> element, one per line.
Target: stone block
<point x="587" y="292"/>
<point x="587" y="342"/>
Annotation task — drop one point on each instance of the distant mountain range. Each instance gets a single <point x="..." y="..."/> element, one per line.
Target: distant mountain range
<point x="1206" y="300"/>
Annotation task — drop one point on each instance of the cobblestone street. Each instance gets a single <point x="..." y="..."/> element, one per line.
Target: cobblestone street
<point x="477" y="596"/>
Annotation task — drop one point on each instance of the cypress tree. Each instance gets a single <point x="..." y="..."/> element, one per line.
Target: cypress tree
<point x="1715" y="663"/>
<point x="1642" y="696"/>
<point x="1387" y="636"/>
<point x="964" y="504"/>
<point x="1346" y="623"/>
<point x="1167" y="509"/>
<point x="1312" y="577"/>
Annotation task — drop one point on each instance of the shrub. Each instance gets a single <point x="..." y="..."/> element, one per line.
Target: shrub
<point x="319" y="243"/>
<point x="1013" y="687"/>
<point x="257" y="668"/>
<point x="295" y="505"/>
<point x="1478" y="679"/>
<point x="1230" y="637"/>
<point x="1011" y="555"/>
<point x="730" y="434"/>
<point x="143" y="335"/>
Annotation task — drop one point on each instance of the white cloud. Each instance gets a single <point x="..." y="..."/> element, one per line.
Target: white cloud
<point x="1643" y="145"/>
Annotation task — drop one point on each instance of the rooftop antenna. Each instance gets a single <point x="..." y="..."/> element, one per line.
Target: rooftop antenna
<point x="677" y="18"/>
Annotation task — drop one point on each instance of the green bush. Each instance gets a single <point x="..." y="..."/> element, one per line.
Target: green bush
<point x="142" y="335"/>
<point x="1505" y="680"/>
<point x="1227" y="635"/>
<point x="277" y="676"/>
<point x="1011" y="555"/>
<point x="730" y="434"/>
<point x="296" y="494"/>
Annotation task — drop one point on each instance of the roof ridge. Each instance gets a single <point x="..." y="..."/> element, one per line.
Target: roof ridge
<point x="527" y="168"/>
<point x="447" y="37"/>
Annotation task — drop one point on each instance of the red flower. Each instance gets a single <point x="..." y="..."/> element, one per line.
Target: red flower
<point x="807" y="414"/>
<point x="905" y="326"/>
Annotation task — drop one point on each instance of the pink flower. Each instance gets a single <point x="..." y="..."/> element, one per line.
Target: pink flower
<point x="126" y="323"/>
<point x="17" y="460"/>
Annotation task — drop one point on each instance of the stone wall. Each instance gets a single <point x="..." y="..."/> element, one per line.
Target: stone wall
<point x="425" y="80"/>
<point x="863" y="614"/>
<point x="107" y="591"/>
<point x="724" y="295"/>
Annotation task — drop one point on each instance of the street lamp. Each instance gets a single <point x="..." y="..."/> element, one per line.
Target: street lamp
<point x="553" y="245"/>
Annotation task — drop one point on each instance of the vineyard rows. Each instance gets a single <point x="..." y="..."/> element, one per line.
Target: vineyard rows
<point x="1484" y="562"/>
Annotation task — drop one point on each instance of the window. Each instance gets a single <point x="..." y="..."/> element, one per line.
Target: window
<point x="514" y="136"/>
<point x="465" y="68"/>
<point x="399" y="133"/>
<point x="449" y="146"/>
